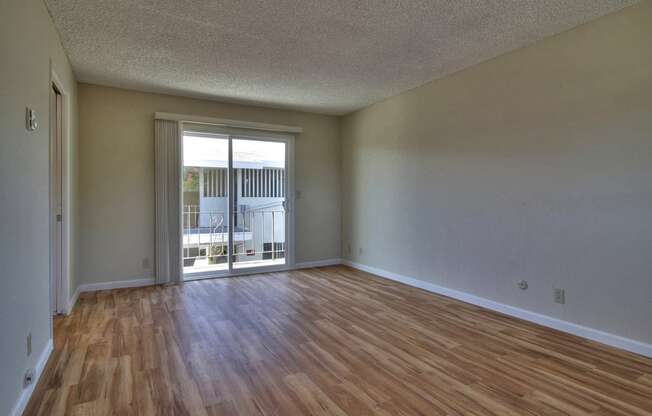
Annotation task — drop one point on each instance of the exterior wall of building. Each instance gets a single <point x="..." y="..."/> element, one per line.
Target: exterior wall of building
<point x="259" y="231"/>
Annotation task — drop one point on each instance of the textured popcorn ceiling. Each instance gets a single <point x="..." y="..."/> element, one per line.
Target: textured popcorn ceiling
<point x="324" y="56"/>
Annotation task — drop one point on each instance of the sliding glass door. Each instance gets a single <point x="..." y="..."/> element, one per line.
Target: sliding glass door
<point x="205" y="203"/>
<point x="258" y="214"/>
<point x="236" y="188"/>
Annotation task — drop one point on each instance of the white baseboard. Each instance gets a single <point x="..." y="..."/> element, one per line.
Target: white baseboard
<point x="564" y="326"/>
<point x="26" y="394"/>
<point x="118" y="284"/>
<point x="318" y="263"/>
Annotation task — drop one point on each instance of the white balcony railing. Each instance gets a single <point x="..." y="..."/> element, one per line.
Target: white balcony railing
<point x="258" y="235"/>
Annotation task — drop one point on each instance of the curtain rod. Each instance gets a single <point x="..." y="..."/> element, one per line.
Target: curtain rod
<point x="228" y="123"/>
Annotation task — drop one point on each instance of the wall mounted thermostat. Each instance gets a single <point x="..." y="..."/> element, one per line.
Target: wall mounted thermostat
<point x="30" y="119"/>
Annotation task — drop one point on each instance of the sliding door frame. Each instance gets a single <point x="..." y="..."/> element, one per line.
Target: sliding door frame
<point x="246" y="134"/>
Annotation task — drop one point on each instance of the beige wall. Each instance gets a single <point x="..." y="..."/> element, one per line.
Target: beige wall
<point x="536" y="165"/>
<point x="117" y="178"/>
<point x="29" y="44"/>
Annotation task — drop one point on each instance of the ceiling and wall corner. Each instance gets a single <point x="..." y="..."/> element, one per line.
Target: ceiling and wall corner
<point x="334" y="58"/>
<point x="533" y="166"/>
<point x="324" y="56"/>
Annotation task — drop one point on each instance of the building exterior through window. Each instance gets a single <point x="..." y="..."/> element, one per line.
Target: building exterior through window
<point x="258" y="220"/>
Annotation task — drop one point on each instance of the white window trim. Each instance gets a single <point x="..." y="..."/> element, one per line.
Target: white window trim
<point x="235" y="132"/>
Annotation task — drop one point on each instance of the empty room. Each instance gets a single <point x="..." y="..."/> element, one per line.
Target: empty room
<point x="349" y="208"/>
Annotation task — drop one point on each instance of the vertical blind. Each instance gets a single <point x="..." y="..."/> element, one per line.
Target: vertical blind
<point x="167" y="172"/>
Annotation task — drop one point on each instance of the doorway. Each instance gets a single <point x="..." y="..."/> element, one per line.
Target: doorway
<point x="236" y="189"/>
<point x="58" y="298"/>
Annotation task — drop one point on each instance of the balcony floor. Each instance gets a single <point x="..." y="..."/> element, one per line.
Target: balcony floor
<point x="201" y="266"/>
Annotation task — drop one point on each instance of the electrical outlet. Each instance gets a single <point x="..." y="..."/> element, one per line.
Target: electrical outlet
<point x="360" y="251"/>
<point x="29" y="377"/>
<point x="560" y="296"/>
<point x="29" y="344"/>
<point x="522" y="284"/>
<point x="348" y="249"/>
<point x="145" y="263"/>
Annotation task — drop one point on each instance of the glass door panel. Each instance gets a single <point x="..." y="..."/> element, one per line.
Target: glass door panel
<point x="205" y="188"/>
<point x="258" y="210"/>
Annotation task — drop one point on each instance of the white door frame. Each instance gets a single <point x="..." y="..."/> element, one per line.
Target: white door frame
<point x="288" y="139"/>
<point x="59" y="282"/>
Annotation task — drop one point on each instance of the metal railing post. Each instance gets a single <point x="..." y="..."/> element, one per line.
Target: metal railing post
<point x="273" y="236"/>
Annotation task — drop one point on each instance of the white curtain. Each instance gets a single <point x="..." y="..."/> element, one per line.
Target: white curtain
<point x="167" y="150"/>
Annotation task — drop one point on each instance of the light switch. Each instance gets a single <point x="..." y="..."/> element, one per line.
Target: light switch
<point x="30" y="117"/>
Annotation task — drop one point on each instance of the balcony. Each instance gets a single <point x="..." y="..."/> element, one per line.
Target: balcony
<point x="258" y="238"/>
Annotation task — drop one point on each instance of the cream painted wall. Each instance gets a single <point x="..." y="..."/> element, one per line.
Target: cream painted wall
<point x="535" y="165"/>
<point x="117" y="178"/>
<point x="29" y="45"/>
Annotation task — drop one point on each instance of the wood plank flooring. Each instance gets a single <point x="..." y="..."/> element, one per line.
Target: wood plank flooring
<point x="328" y="341"/>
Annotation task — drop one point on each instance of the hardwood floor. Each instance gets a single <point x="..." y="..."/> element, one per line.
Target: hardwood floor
<point x="329" y="341"/>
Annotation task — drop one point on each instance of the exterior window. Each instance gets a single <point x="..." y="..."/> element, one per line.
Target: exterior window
<point x="263" y="183"/>
<point x="214" y="183"/>
<point x="279" y="251"/>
